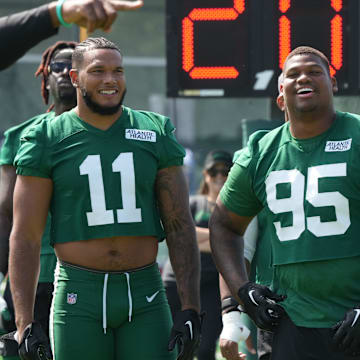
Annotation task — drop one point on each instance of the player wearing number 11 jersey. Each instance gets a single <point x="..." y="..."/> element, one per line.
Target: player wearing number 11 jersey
<point x="112" y="179"/>
<point x="305" y="175"/>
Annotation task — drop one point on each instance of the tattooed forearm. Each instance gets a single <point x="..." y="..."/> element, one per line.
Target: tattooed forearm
<point x="173" y="201"/>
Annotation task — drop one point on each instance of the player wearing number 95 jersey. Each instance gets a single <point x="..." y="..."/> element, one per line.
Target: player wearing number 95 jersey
<point x="112" y="179"/>
<point x="305" y="175"/>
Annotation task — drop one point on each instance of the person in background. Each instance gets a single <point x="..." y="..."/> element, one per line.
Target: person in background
<point x="54" y="70"/>
<point x="216" y="167"/>
<point x="112" y="178"/>
<point x="21" y="31"/>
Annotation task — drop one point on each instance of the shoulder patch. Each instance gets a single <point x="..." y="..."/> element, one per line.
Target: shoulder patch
<point x="140" y="135"/>
<point x="342" y="145"/>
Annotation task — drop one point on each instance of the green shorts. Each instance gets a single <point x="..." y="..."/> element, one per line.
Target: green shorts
<point x="99" y="315"/>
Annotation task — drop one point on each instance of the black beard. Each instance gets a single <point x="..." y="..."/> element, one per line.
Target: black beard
<point x="99" y="109"/>
<point x="68" y="99"/>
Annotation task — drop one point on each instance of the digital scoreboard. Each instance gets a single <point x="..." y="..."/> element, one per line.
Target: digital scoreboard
<point x="233" y="48"/>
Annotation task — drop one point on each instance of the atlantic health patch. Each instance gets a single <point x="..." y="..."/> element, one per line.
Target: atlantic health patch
<point x="141" y="135"/>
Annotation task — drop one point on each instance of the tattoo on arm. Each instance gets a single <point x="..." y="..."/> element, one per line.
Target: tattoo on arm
<point x="173" y="201"/>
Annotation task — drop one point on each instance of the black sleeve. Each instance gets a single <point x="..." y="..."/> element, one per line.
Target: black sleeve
<point x="21" y="31"/>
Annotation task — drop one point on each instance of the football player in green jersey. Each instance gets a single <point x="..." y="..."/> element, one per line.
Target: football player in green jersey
<point x="112" y="179"/>
<point x="305" y="176"/>
<point x="54" y="70"/>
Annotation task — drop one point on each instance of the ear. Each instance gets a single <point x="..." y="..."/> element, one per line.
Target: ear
<point x="280" y="102"/>
<point x="334" y="84"/>
<point x="74" y="76"/>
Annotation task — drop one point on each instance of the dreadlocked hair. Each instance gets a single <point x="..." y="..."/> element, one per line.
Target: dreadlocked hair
<point x="43" y="68"/>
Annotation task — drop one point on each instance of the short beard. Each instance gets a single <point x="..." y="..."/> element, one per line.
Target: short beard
<point x="68" y="99"/>
<point x="99" y="109"/>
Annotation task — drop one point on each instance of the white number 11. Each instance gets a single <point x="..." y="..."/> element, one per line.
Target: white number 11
<point x="124" y="164"/>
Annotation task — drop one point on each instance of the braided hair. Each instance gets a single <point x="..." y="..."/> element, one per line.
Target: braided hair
<point x="43" y="68"/>
<point x="92" y="44"/>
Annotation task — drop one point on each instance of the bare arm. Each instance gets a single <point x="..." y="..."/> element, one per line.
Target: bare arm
<point x="7" y="183"/>
<point x="173" y="199"/>
<point x="31" y="203"/>
<point x="202" y="237"/>
<point x="227" y="246"/>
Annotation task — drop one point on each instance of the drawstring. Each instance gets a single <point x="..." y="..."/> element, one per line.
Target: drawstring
<point x="129" y="295"/>
<point x="104" y="301"/>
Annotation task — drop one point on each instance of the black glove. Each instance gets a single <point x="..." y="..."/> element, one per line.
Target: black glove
<point x="9" y="346"/>
<point x="186" y="333"/>
<point x="260" y="303"/>
<point x="347" y="333"/>
<point x="35" y="344"/>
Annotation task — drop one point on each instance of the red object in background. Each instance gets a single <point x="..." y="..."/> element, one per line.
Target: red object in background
<point x="336" y="34"/>
<point x="235" y="48"/>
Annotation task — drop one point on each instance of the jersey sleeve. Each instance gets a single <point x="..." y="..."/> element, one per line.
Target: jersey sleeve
<point x="21" y="31"/>
<point x="8" y="149"/>
<point x="250" y="239"/>
<point x="172" y="153"/>
<point x="237" y="193"/>
<point x="33" y="156"/>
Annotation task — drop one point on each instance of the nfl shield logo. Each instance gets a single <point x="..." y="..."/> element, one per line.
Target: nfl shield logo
<point x="71" y="298"/>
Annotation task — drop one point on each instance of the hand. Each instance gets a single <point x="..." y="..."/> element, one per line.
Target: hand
<point x="34" y="344"/>
<point x="96" y="14"/>
<point x="186" y="333"/>
<point x="260" y="304"/>
<point x="347" y="333"/>
<point x="234" y="330"/>
<point x="230" y="350"/>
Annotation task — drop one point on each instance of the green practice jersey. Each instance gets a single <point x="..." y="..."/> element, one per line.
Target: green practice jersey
<point x="7" y="155"/>
<point x="261" y="266"/>
<point x="310" y="192"/>
<point x="262" y="256"/>
<point x="103" y="181"/>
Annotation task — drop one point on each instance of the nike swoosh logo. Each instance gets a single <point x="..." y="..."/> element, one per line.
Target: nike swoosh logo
<point x="252" y="297"/>
<point x="189" y="324"/>
<point x="356" y="317"/>
<point x="152" y="297"/>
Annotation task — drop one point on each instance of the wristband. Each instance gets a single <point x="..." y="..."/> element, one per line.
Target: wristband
<point x="234" y="328"/>
<point x="230" y="304"/>
<point x="59" y="13"/>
